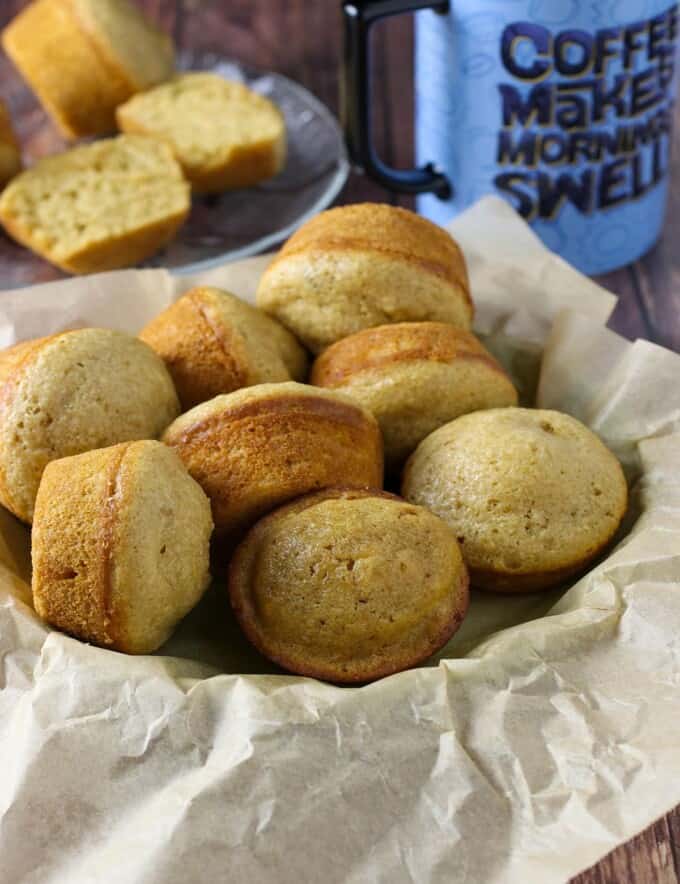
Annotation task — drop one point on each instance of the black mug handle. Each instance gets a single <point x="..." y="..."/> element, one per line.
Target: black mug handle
<point x="358" y="17"/>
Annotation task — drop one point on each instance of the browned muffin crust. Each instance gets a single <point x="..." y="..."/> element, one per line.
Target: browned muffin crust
<point x="414" y="377"/>
<point x="336" y="412"/>
<point x="120" y="545"/>
<point x="387" y="345"/>
<point x="385" y="230"/>
<point x="213" y="343"/>
<point x="499" y="580"/>
<point x="78" y="600"/>
<point x="195" y="349"/>
<point x="10" y="150"/>
<point x="259" y="447"/>
<point x="358" y="266"/>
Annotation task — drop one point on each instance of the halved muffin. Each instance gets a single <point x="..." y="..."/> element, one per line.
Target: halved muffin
<point x="98" y="207"/>
<point x="224" y="135"/>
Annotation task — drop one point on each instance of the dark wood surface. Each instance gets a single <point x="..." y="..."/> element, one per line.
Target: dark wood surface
<point x="301" y="38"/>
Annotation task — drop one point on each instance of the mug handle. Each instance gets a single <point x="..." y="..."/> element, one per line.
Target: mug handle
<point x="358" y="18"/>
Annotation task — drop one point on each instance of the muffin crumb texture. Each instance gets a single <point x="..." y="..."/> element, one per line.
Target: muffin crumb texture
<point x="100" y="206"/>
<point x="223" y="134"/>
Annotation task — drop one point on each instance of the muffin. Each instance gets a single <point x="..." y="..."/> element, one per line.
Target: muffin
<point x="359" y="266"/>
<point x="223" y="134"/>
<point x="533" y="496"/>
<point x="414" y="377"/>
<point x="120" y="545"/>
<point x="213" y="343"/>
<point x="349" y="586"/>
<point x="10" y="153"/>
<point x="100" y="206"/>
<point x="82" y="58"/>
<point x="70" y="393"/>
<point x="259" y="447"/>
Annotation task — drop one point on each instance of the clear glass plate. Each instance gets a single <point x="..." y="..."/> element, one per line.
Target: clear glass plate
<point x="222" y="227"/>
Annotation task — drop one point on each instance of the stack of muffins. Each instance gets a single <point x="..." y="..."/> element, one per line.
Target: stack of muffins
<point x="328" y="575"/>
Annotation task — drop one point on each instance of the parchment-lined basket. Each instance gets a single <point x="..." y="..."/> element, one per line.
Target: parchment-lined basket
<point x="544" y="734"/>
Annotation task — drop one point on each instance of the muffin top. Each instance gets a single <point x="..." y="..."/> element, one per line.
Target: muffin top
<point x="526" y="491"/>
<point x="379" y="349"/>
<point x="213" y="342"/>
<point x="284" y="399"/>
<point x="386" y="231"/>
<point x="364" y="265"/>
<point x="349" y="585"/>
<point x="414" y="377"/>
<point x="73" y="392"/>
<point x="258" y="447"/>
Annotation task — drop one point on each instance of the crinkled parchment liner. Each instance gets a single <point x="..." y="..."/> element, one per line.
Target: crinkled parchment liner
<point x="547" y="733"/>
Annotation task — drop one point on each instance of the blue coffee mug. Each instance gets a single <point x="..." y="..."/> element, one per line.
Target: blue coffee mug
<point x="562" y="107"/>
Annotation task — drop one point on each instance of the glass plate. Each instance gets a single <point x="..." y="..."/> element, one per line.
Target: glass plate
<point x="221" y="227"/>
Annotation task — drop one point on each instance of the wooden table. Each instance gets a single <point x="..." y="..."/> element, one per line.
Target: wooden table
<point x="301" y="38"/>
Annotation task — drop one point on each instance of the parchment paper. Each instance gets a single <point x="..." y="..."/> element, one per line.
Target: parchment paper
<point x="546" y="733"/>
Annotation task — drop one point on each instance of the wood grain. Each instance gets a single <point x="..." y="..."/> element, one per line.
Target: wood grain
<point x="302" y="40"/>
<point x="653" y="857"/>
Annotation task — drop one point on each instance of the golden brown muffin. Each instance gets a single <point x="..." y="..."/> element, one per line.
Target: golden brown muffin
<point x="83" y="58"/>
<point x="212" y="342"/>
<point x="259" y="447"/>
<point x="349" y="586"/>
<point x="358" y="266"/>
<point x="120" y="545"/>
<point x="73" y="392"/>
<point x="414" y="377"/>
<point x="533" y="496"/>
<point x="98" y="207"/>
<point x="224" y="135"/>
<point x="10" y="154"/>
